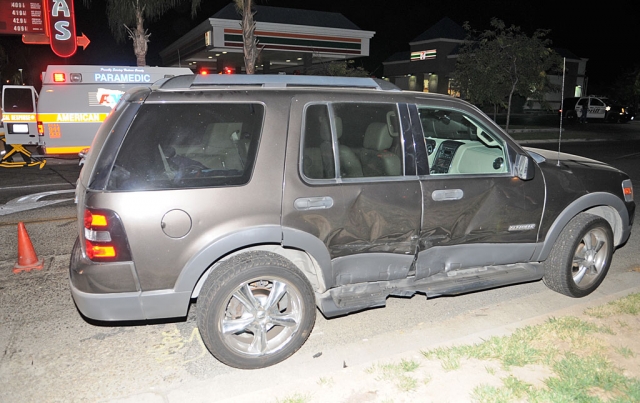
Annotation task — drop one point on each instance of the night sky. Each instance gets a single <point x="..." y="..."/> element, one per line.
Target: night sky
<point x="605" y="33"/>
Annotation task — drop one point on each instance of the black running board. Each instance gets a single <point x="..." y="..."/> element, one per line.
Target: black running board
<point x="356" y="297"/>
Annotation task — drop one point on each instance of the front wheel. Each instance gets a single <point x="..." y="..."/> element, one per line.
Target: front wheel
<point x="255" y="310"/>
<point x="581" y="257"/>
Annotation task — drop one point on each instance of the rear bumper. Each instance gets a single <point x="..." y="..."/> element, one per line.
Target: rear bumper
<point x="108" y="307"/>
<point x="111" y="292"/>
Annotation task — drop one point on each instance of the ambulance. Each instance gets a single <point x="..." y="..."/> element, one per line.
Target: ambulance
<point x="74" y="100"/>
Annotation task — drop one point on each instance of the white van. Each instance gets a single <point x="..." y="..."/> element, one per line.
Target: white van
<point x="74" y="100"/>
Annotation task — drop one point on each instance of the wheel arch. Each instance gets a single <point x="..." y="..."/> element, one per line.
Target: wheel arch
<point x="604" y="205"/>
<point x="305" y="251"/>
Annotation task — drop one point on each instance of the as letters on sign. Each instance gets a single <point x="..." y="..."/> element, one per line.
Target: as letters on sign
<point x="60" y="6"/>
<point x="62" y="27"/>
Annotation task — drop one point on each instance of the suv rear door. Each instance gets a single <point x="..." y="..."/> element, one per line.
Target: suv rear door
<point x="350" y="187"/>
<point x="19" y="116"/>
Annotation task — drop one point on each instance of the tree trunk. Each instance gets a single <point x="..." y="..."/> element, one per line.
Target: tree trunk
<point x="250" y="44"/>
<point x="514" y="84"/>
<point x="140" y="39"/>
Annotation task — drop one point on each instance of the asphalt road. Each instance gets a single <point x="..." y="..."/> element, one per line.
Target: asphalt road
<point x="48" y="352"/>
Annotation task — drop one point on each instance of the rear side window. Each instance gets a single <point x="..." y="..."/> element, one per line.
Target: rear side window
<point x="18" y="100"/>
<point x="352" y="140"/>
<point x="188" y="145"/>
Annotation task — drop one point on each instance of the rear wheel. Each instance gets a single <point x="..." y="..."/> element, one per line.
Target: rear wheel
<point x="571" y="117"/>
<point x="581" y="257"/>
<point x="255" y="310"/>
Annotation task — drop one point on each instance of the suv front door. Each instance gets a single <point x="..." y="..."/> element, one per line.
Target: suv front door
<point x="476" y="213"/>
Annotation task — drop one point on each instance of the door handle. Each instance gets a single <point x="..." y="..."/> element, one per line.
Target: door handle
<point x="313" y="203"/>
<point x="447" y="194"/>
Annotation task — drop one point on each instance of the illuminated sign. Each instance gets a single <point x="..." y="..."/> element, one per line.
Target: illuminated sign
<point x="122" y="75"/>
<point x="21" y="17"/>
<point x="423" y="55"/>
<point x="122" y="78"/>
<point x="61" y="26"/>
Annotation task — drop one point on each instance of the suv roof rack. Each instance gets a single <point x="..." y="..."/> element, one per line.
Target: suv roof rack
<point x="274" y="81"/>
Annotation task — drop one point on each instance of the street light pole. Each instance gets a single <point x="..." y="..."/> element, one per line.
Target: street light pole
<point x="21" y="80"/>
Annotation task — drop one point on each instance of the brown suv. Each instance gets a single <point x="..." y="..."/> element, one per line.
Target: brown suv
<point x="265" y="197"/>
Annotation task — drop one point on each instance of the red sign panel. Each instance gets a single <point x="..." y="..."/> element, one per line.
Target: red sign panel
<point x="22" y="17"/>
<point x="61" y="25"/>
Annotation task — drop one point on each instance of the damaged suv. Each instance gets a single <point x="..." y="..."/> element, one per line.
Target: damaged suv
<point x="266" y="197"/>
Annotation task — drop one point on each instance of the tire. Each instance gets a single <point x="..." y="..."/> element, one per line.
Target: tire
<point x="571" y="117"/>
<point x="613" y="118"/>
<point x="581" y="256"/>
<point x="240" y="324"/>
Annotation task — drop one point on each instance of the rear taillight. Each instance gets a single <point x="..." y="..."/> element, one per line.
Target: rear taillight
<point x="105" y="239"/>
<point x="40" y="128"/>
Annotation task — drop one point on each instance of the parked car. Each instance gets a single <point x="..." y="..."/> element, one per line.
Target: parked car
<point x="599" y="109"/>
<point x="266" y="197"/>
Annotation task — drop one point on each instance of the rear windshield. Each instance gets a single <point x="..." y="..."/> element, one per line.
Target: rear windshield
<point x="188" y="145"/>
<point x="18" y="100"/>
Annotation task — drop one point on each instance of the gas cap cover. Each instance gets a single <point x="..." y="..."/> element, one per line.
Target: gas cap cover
<point x="176" y="223"/>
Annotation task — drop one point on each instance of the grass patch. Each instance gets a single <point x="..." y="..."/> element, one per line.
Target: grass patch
<point x="296" y="398"/>
<point x="626" y="352"/>
<point x="582" y="379"/>
<point x="397" y="373"/>
<point x="629" y="305"/>
<point x="324" y="381"/>
<point x="513" y="389"/>
<point x="528" y="345"/>
<point x="449" y="357"/>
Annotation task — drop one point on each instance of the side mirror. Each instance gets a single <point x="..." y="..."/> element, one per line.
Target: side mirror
<point x="525" y="167"/>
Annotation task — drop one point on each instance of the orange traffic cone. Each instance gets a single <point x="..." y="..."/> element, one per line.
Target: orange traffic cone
<point x="27" y="259"/>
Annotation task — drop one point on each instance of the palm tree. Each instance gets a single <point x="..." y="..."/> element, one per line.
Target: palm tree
<point x="250" y="43"/>
<point x="127" y="17"/>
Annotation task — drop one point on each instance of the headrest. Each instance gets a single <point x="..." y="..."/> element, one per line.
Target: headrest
<point x="325" y="128"/>
<point x="377" y="137"/>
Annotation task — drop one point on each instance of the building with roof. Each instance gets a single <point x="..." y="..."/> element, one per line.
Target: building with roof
<point x="289" y="41"/>
<point x="429" y="64"/>
<point x="431" y="59"/>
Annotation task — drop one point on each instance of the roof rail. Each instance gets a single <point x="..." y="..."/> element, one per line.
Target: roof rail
<point x="275" y="81"/>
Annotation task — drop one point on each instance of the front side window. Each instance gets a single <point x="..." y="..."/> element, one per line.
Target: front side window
<point x="352" y="140"/>
<point x="458" y="144"/>
<point x="596" y="102"/>
<point x="188" y="145"/>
